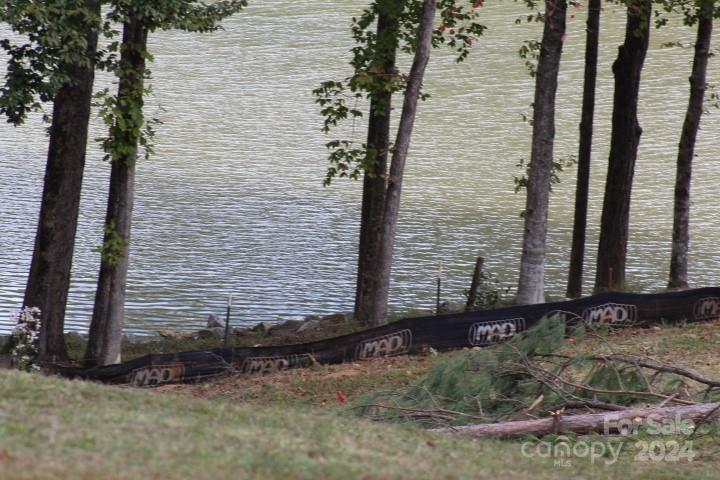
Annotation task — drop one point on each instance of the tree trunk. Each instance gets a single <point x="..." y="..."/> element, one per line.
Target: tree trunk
<point x="49" y="277"/>
<point x="577" y="253"/>
<point x="603" y="423"/>
<point x="625" y="138"/>
<point x="474" y="285"/>
<point x="532" y="263"/>
<point x="108" y="315"/>
<point x="374" y="181"/>
<point x="686" y="151"/>
<point x="397" y="166"/>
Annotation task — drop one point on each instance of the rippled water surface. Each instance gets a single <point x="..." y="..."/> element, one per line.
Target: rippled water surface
<point x="233" y="201"/>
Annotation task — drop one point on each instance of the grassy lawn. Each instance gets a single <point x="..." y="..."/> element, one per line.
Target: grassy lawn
<point x="291" y="425"/>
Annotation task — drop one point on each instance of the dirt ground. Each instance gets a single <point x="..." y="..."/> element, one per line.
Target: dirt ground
<point x="693" y="346"/>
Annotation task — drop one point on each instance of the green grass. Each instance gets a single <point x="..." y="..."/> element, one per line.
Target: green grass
<point x="290" y="425"/>
<point x="52" y="428"/>
<point x="55" y="428"/>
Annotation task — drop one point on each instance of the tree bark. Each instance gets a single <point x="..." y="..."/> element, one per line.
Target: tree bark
<point x="108" y="313"/>
<point x="375" y="180"/>
<point x="577" y="252"/>
<point x="686" y="151"/>
<point x="49" y="277"/>
<point x="625" y="138"/>
<point x="531" y="284"/>
<point x="397" y="166"/>
<point x="475" y="285"/>
<point x="605" y="423"/>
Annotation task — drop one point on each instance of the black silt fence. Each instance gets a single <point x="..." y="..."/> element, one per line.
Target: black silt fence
<point x="412" y="335"/>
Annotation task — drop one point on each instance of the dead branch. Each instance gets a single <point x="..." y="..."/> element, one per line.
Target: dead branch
<point x="613" y="392"/>
<point x="435" y="412"/>
<point x="707" y="418"/>
<point x="649" y="364"/>
<point x="596" y="404"/>
<point x="662" y="367"/>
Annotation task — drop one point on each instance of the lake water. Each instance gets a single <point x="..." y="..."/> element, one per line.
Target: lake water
<point x="233" y="200"/>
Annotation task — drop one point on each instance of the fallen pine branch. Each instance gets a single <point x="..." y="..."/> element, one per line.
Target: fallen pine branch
<point x="667" y="398"/>
<point x="647" y="363"/>
<point x="606" y="422"/>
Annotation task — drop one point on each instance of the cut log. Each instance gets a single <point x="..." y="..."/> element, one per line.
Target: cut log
<point x="604" y="423"/>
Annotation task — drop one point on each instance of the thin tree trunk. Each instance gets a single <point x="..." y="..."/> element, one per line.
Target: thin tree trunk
<point x="531" y="285"/>
<point x="375" y="181"/>
<point x="625" y="138"/>
<point x="397" y="166"/>
<point x="49" y="277"/>
<point x="577" y="252"/>
<point x="603" y="423"/>
<point x="108" y="315"/>
<point x="474" y="284"/>
<point x="686" y="151"/>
